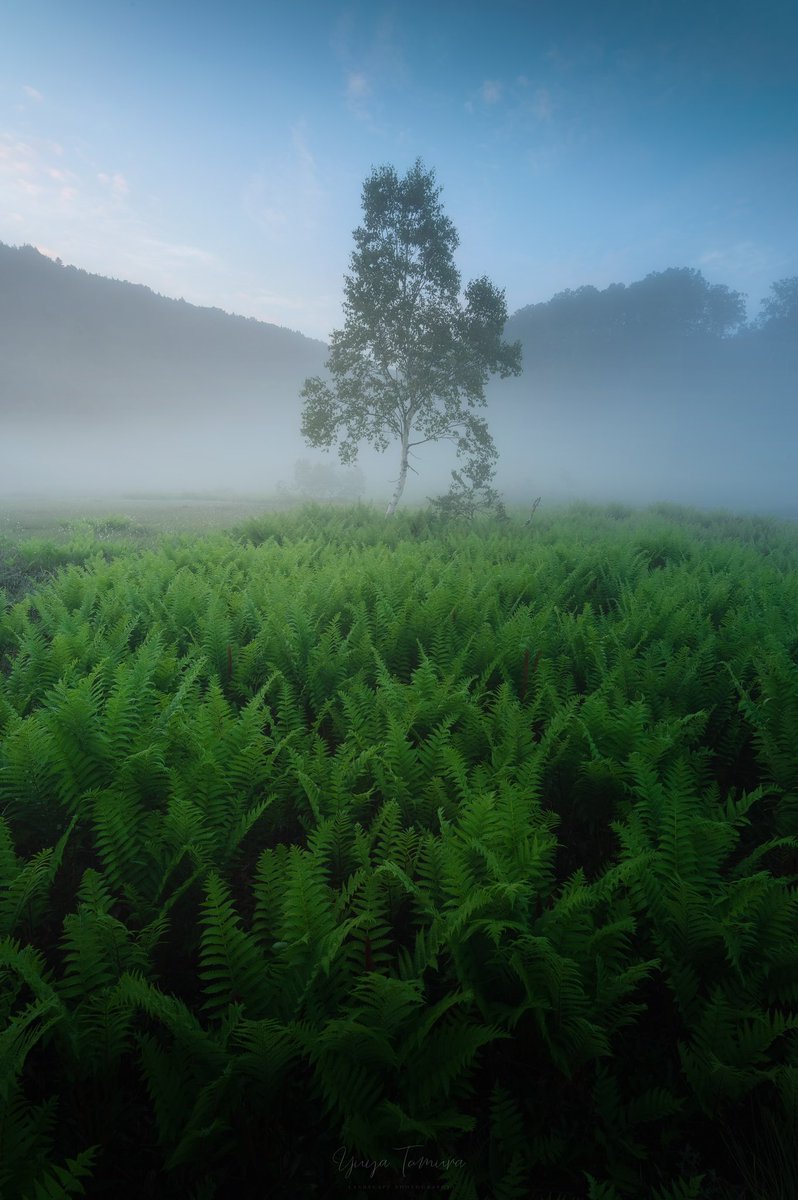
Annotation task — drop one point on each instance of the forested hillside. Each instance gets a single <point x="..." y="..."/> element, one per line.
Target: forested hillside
<point x="671" y="326"/>
<point x="659" y="387"/>
<point x="75" y="344"/>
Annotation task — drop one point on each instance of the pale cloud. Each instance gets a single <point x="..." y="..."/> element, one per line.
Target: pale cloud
<point x="87" y="217"/>
<point x="542" y="105"/>
<point x="305" y="159"/>
<point x="357" y="86"/>
<point x="41" y="171"/>
<point x="314" y="312"/>
<point x="272" y="218"/>
<point x="261" y="203"/>
<point x="178" y="253"/>
<point x="25" y="167"/>
<point x="738" y="257"/>
<point x="371" y="55"/>
<point x="519" y="100"/>
<point x="287" y="196"/>
<point x="266" y="299"/>
<point x="543" y="159"/>
<point x="748" y="267"/>
<point x="359" y="95"/>
<point x="32" y="93"/>
<point x="17" y="158"/>
<point x="116" y="182"/>
<point x="27" y="176"/>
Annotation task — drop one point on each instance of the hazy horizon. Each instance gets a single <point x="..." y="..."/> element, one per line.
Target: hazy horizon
<point x="140" y="394"/>
<point x="218" y="155"/>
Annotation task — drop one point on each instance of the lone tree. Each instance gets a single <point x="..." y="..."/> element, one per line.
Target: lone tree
<point x="412" y="359"/>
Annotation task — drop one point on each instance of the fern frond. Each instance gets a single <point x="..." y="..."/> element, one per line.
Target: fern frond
<point x="22" y="1033"/>
<point x="28" y="885"/>
<point x="307" y="914"/>
<point x="444" y="1056"/>
<point x="267" y="1051"/>
<point x="231" y="965"/>
<point x="203" y="1048"/>
<point x="67" y="1180"/>
<point x="26" y="1139"/>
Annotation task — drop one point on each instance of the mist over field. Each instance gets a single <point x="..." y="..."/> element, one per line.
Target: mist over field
<point x="631" y="395"/>
<point x="668" y="455"/>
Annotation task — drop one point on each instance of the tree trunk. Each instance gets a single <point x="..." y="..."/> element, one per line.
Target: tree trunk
<point x="400" y="483"/>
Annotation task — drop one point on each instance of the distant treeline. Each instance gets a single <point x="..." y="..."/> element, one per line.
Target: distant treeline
<point x="82" y="346"/>
<point x="669" y="312"/>
<point x="668" y="363"/>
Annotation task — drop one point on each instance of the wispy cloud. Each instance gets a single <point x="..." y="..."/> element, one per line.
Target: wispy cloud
<point x="357" y="86"/>
<point x="305" y="159"/>
<point x="29" y="181"/>
<point x="738" y="256"/>
<point x="177" y="253"/>
<point x="32" y="93"/>
<point x="17" y="158"/>
<point x="312" y="311"/>
<point x="747" y="266"/>
<point x="359" y="96"/>
<point x="88" y="217"/>
<point x="518" y="99"/>
<point x="287" y="196"/>
<point x="116" y="182"/>
<point x="542" y="160"/>
<point x="542" y="105"/>
<point x="36" y="177"/>
<point x="371" y="56"/>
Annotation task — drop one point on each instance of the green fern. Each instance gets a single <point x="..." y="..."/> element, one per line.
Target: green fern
<point x="67" y="1180"/>
<point x="27" y="885"/>
<point x="231" y="965"/>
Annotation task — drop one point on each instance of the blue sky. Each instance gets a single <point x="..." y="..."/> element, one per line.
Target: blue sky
<point x="217" y="151"/>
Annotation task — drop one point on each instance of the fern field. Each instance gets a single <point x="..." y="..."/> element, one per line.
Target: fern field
<point x="341" y="856"/>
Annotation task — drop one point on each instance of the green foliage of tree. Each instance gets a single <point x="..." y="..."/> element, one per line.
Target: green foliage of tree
<point x="650" y="318"/>
<point x="412" y="359"/>
<point x="780" y="309"/>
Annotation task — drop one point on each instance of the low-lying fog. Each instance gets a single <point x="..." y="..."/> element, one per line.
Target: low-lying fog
<point x="633" y="453"/>
<point x="659" y="390"/>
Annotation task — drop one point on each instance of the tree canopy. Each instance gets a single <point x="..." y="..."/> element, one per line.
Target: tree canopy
<point x="413" y="358"/>
<point x="780" y="310"/>
<point x="668" y="311"/>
